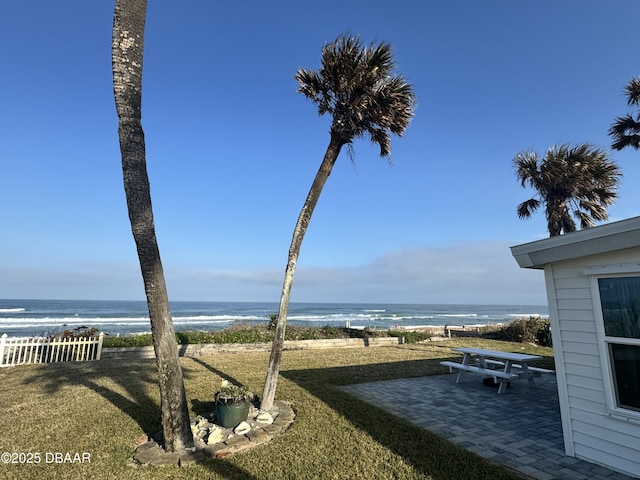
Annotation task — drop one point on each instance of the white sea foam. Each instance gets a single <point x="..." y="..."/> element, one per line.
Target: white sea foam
<point x="47" y="320"/>
<point x="130" y="317"/>
<point x="216" y="318"/>
<point x="411" y="317"/>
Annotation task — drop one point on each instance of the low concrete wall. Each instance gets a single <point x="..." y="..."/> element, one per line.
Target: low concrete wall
<point x="213" y="348"/>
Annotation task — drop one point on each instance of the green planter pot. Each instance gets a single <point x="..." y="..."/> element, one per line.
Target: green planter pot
<point x="230" y="415"/>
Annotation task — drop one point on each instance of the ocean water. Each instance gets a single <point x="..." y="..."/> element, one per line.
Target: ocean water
<point x="50" y="317"/>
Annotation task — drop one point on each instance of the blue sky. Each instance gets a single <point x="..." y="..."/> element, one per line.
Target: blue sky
<point x="232" y="149"/>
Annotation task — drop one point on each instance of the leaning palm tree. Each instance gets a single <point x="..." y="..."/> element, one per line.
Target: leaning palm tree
<point x="127" y="51"/>
<point x="357" y="86"/>
<point x="625" y="131"/>
<point x="578" y="181"/>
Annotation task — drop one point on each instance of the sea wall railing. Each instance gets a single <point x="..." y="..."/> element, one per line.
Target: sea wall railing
<point x="19" y="351"/>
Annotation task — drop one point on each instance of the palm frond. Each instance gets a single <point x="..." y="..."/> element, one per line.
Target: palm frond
<point x="567" y="224"/>
<point x="580" y="176"/>
<point x="526" y="165"/>
<point x="586" y="220"/>
<point x="594" y="210"/>
<point x="380" y="57"/>
<point x="526" y="208"/>
<point x="632" y="91"/>
<point x="625" y="132"/>
<point x="380" y="137"/>
<point x="356" y="85"/>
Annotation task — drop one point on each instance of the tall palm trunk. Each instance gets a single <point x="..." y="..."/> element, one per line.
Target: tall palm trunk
<point x="127" y="53"/>
<point x="330" y="157"/>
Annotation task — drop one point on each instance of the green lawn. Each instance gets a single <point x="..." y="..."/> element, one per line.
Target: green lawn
<point x="106" y="408"/>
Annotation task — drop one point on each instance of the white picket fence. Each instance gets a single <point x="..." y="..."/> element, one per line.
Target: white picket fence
<point x="18" y="351"/>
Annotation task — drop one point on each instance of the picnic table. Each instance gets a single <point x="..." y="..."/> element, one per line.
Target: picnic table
<point x="501" y="366"/>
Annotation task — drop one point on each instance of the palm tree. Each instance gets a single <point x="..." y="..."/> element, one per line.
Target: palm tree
<point x="127" y="51"/>
<point x="578" y="181"/>
<point x="625" y="131"/>
<point x="357" y="86"/>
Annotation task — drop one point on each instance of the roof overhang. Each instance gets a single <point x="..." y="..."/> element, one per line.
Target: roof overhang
<point x="591" y="241"/>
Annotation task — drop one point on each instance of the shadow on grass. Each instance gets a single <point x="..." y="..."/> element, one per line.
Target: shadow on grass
<point x="201" y="407"/>
<point x="228" y="470"/>
<point x="133" y="380"/>
<point x="215" y="371"/>
<point x="429" y="454"/>
<point x="134" y="384"/>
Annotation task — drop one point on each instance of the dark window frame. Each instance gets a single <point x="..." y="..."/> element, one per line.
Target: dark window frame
<point x="619" y="311"/>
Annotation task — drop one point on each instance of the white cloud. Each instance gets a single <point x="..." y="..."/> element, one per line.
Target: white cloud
<point x="471" y="272"/>
<point x="474" y="272"/>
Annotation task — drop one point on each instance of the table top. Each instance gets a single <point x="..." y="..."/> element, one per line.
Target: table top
<point x="518" y="357"/>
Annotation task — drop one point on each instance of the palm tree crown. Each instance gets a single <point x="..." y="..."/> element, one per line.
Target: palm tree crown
<point x="357" y="86"/>
<point x="625" y="131"/>
<point x="579" y="180"/>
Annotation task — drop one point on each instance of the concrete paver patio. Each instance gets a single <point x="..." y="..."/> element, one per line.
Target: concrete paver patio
<point x="520" y="429"/>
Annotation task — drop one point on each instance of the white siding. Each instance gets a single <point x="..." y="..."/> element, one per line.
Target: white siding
<point x="595" y="435"/>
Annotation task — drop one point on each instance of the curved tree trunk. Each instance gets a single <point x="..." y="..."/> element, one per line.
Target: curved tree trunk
<point x="330" y="157"/>
<point x="127" y="53"/>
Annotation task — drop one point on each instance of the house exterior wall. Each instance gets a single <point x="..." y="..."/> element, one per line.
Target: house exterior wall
<point x="590" y="432"/>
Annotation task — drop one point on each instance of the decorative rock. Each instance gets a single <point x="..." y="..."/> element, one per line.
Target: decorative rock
<point x="146" y="446"/>
<point x="258" y="436"/>
<point x="220" y="442"/>
<point x="188" y="458"/>
<point x="239" y="442"/>
<point x="215" y="435"/>
<point x="253" y="411"/>
<point x="274" y="429"/>
<point x="148" y="452"/>
<point x="265" y="418"/>
<point x="146" y="457"/>
<point x="243" y="428"/>
<point x="201" y="421"/>
<point x="166" y="459"/>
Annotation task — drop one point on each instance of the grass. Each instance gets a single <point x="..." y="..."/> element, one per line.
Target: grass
<point x="106" y="408"/>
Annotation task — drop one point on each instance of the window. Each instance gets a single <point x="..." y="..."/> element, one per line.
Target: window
<point x="620" y="302"/>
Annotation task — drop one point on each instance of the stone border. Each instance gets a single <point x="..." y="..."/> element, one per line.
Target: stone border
<point x="152" y="454"/>
<point x="197" y="350"/>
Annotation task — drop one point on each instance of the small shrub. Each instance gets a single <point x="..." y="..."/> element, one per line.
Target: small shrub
<point x="142" y="340"/>
<point x="273" y="320"/>
<point x="241" y="334"/>
<point x="190" y="338"/>
<point x="80" y="332"/>
<point x="263" y="334"/>
<point x="409" y="336"/>
<point x="231" y="393"/>
<point x="315" y="333"/>
<point x="370" y="332"/>
<point x="523" y="330"/>
<point x="544" y="334"/>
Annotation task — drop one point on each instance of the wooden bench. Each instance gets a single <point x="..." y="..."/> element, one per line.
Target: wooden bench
<point x="487" y="371"/>
<point x="462" y="331"/>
